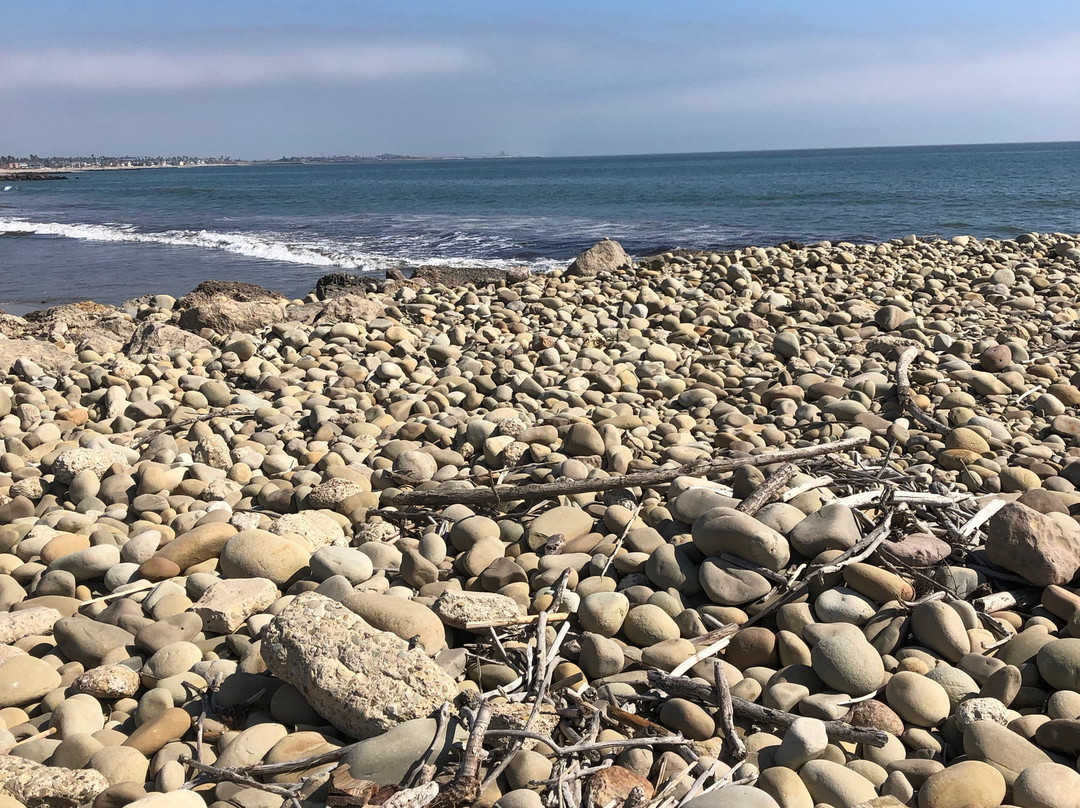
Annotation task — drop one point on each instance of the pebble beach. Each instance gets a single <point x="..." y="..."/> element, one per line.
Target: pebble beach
<point x="793" y="526"/>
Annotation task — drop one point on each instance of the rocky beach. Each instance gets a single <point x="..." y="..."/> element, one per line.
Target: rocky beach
<point x="781" y="527"/>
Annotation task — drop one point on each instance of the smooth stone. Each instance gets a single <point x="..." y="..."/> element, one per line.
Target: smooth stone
<point x="1059" y="663"/>
<point x="833" y="527"/>
<point x="726" y="530"/>
<point x="261" y="554"/>
<point x="25" y="679"/>
<point x="387" y="758"/>
<point x="88" y="641"/>
<point x="1002" y="748"/>
<point x="251" y="745"/>
<point x="848" y="664"/>
<point x="170" y="725"/>
<point x="1047" y="785"/>
<point x="600" y="656"/>
<point x="80" y="714"/>
<point x="916" y="699"/>
<point x="831" y="783"/>
<point x="733" y="797"/>
<point x="804" y="740"/>
<point x="603" y="613"/>
<point x="684" y="716"/>
<point x="571" y="522"/>
<point x="120" y="764"/>
<point x="726" y="584"/>
<point x="405" y="618"/>
<point x="346" y="561"/>
<point x="970" y="782"/>
<point x="939" y="627"/>
<point x="648" y="624"/>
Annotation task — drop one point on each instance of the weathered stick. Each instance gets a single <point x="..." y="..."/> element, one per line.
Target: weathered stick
<point x="768" y="490"/>
<point x="711" y="649"/>
<point x="727" y="718"/>
<point x="903" y="391"/>
<point x="642" y="479"/>
<point x="862" y="550"/>
<point x="696" y="691"/>
<point x="594" y="746"/>
<point x="240" y="776"/>
<point x="516" y="621"/>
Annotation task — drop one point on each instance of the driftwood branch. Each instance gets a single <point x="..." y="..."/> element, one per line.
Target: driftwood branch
<point x="768" y="490"/>
<point x="727" y="717"/>
<point x="696" y="691"/>
<point x="642" y="479"/>
<point x="903" y="392"/>
<point x="863" y="549"/>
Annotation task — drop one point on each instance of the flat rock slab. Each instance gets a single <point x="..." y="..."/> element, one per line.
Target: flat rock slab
<point x="458" y="609"/>
<point x="226" y="605"/>
<point x="361" y="680"/>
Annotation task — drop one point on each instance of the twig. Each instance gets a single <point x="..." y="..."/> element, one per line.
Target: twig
<point x="516" y="621"/>
<point x="619" y="542"/>
<point x="241" y="777"/>
<point x="903" y="391"/>
<point x="422" y="771"/>
<point x="727" y="719"/>
<point x="593" y="746"/>
<point x="697" y="691"/>
<point x="643" y="479"/>
<point x="45" y="733"/>
<point x="711" y="650"/>
<point x="768" y="490"/>
<point x="131" y="589"/>
<point x="802" y="488"/>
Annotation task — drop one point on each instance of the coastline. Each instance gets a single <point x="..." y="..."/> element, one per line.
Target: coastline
<point x="247" y="496"/>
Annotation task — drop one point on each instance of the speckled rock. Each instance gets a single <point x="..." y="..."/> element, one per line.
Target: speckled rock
<point x="361" y="680"/>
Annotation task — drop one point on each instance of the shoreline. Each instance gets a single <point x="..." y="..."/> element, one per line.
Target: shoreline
<point x="241" y="529"/>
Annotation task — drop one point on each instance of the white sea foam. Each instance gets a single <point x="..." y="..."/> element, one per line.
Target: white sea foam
<point x="409" y="251"/>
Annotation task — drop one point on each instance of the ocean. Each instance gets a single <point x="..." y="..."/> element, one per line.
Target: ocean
<point x="113" y="235"/>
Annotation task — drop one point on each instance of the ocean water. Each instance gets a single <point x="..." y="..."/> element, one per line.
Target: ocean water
<point x="113" y="235"/>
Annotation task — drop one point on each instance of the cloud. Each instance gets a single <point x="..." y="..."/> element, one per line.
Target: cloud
<point x="226" y="66"/>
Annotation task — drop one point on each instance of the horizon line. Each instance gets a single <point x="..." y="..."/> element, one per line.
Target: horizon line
<point x="504" y="156"/>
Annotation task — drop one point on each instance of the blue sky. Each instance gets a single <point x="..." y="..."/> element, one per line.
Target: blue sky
<point x="263" y="79"/>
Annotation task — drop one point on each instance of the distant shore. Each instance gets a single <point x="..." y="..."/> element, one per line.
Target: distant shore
<point x="30" y="174"/>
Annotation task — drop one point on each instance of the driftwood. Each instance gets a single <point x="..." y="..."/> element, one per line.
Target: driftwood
<point x="683" y="687"/>
<point x="864" y="549"/>
<point x="643" y="479"/>
<point x="768" y="490"/>
<point x="735" y="746"/>
<point x="903" y="392"/>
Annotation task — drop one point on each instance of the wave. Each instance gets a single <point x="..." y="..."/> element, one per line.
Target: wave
<point x="406" y="253"/>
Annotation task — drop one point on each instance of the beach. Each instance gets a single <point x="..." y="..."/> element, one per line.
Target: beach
<point x="776" y="526"/>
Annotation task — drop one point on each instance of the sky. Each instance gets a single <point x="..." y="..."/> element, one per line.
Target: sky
<point x="265" y="79"/>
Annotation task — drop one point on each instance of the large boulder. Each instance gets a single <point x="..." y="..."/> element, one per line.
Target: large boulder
<point x="604" y="256"/>
<point x="361" y="680"/>
<point x="76" y="322"/>
<point x="226" y="306"/>
<point x="1038" y="547"/>
<point x="337" y="284"/>
<point x="162" y="338"/>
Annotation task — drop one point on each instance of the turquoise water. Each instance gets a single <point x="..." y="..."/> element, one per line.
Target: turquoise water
<point x="117" y="234"/>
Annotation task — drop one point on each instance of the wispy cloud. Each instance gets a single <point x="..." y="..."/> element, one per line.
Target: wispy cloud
<point x="225" y="66"/>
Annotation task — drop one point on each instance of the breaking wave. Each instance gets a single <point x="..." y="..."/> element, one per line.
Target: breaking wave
<point x="283" y="248"/>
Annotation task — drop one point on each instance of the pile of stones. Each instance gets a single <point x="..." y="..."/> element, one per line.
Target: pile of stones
<point x="207" y="564"/>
